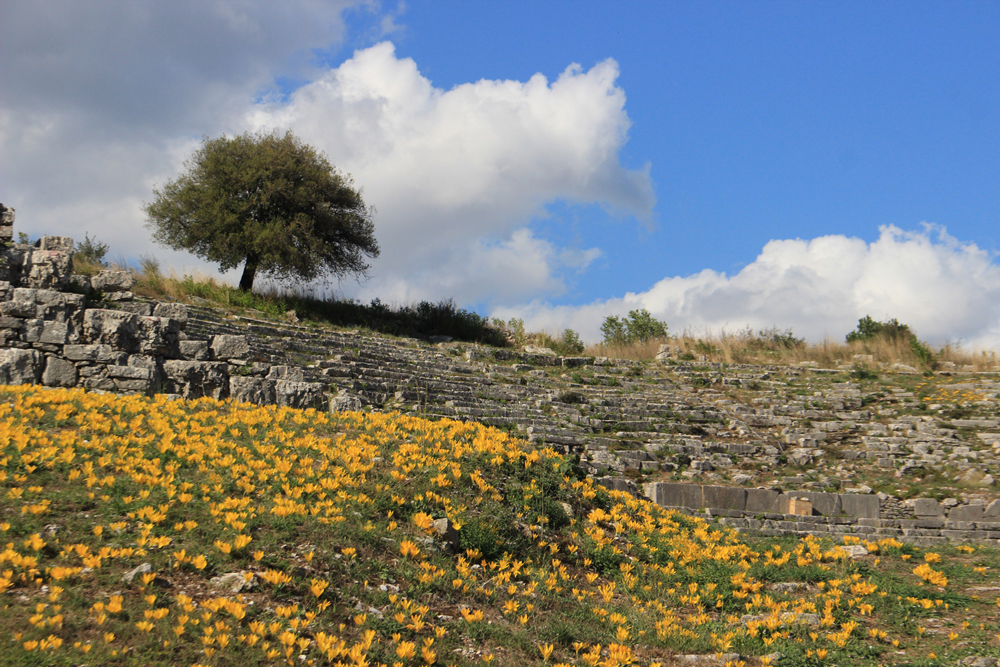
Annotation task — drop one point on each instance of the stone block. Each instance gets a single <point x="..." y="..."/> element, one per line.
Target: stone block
<point x="19" y="308"/>
<point x="344" y="401"/>
<point x="194" y="379"/>
<point x="993" y="509"/>
<point x="667" y="494"/>
<point x="159" y="336"/>
<point x="20" y="366"/>
<point x="140" y="308"/>
<point x="762" y="501"/>
<point x="54" y="333"/>
<point x="927" y="507"/>
<point x="45" y="269"/>
<point x="289" y="373"/>
<point x="967" y="513"/>
<point x="259" y="391"/>
<point x="56" y="243"/>
<point x="113" y="281"/>
<point x="799" y="505"/>
<point x="111" y="327"/>
<point x="194" y="350"/>
<point x="299" y="394"/>
<point x="724" y="497"/>
<point x="59" y="373"/>
<point x="227" y="346"/>
<point x="175" y="311"/>
<point x="860" y="505"/>
<point x="824" y="504"/>
<point x="619" y="484"/>
<point x="130" y="373"/>
<point x="101" y="354"/>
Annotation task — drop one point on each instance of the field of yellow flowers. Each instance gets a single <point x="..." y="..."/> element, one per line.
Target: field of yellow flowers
<point x="150" y="531"/>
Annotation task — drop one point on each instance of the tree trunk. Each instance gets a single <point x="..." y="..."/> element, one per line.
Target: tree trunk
<point x="249" y="272"/>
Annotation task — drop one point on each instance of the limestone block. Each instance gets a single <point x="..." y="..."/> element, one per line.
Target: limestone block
<point x="12" y="323"/>
<point x="111" y="327"/>
<point x="667" y="494"/>
<point x="345" y="402"/>
<point x="101" y="354"/>
<point x="538" y="350"/>
<point x="927" y="507"/>
<point x="80" y="283"/>
<point x="130" y="373"/>
<point x="139" y="308"/>
<point x="113" y="281"/>
<point x="54" y="333"/>
<point x="762" y="501"/>
<point x="993" y="509"/>
<point x="19" y="308"/>
<point x="194" y="379"/>
<point x="45" y="269"/>
<point x="573" y="362"/>
<point x="725" y="497"/>
<point x="620" y="484"/>
<point x="59" y="373"/>
<point x="20" y="366"/>
<point x="159" y="336"/>
<point x="6" y="224"/>
<point x="800" y="506"/>
<point x="299" y="394"/>
<point x="862" y="506"/>
<point x="227" y="346"/>
<point x="56" y="243"/>
<point x="967" y="513"/>
<point x="175" y="311"/>
<point x="290" y="373"/>
<point x="194" y="350"/>
<point x="258" y="391"/>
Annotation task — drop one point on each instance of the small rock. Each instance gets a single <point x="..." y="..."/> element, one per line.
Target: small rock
<point x="145" y="568"/>
<point x="234" y="582"/>
<point x="854" y="550"/>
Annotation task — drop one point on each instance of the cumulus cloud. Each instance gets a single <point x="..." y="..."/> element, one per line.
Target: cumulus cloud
<point x="100" y="100"/>
<point x="944" y="289"/>
<point x="457" y="175"/>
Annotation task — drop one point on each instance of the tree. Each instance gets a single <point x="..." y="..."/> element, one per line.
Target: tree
<point x="269" y="202"/>
<point x="640" y="326"/>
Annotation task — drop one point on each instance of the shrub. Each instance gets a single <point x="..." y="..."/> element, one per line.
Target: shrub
<point x="640" y="326"/>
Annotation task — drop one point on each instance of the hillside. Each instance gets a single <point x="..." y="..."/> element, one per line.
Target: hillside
<point x="154" y="531"/>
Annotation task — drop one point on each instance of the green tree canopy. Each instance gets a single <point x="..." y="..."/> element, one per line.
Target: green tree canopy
<point x="639" y="327"/>
<point x="269" y="202"/>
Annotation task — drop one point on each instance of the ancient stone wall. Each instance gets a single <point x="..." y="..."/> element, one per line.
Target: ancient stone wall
<point x="619" y="418"/>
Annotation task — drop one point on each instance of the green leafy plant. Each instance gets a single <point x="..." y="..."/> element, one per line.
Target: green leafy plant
<point x="640" y="326"/>
<point x="269" y="202"/>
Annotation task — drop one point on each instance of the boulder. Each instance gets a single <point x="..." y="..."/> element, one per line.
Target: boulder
<point x="298" y="394"/>
<point x="118" y="329"/>
<point x="228" y="346"/>
<point x="113" y="281"/>
<point x="344" y="401"/>
<point x="175" y="311"/>
<point x="20" y="366"/>
<point x="258" y="391"/>
<point x="59" y="373"/>
<point x="194" y="379"/>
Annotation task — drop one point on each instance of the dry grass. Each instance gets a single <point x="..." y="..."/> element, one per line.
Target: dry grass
<point x="747" y="347"/>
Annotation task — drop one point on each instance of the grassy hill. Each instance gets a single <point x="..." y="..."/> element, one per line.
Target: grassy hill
<point x="148" y="531"/>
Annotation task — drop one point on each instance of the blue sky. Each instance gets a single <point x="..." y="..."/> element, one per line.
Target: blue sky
<point x="721" y="164"/>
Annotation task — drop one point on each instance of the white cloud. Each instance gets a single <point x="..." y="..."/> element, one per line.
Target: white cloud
<point x="457" y="175"/>
<point x="100" y="100"/>
<point x="944" y="289"/>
